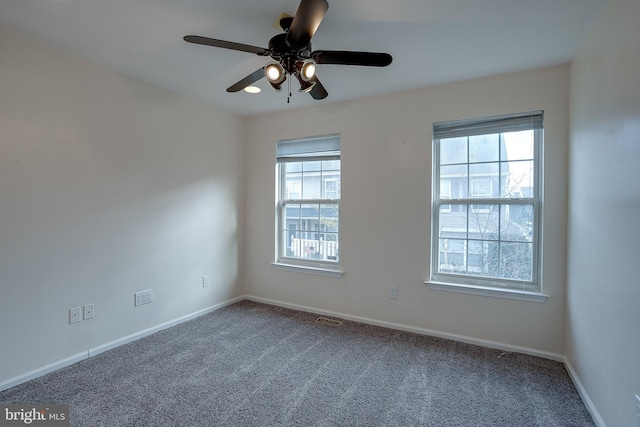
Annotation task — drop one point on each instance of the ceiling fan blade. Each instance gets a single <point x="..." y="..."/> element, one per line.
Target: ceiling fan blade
<point x="345" y="57"/>
<point x="318" y="91"/>
<point x="250" y="79"/>
<point x="308" y="17"/>
<point x="226" y="45"/>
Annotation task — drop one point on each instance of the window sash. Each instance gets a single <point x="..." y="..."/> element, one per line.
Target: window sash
<point x="511" y="283"/>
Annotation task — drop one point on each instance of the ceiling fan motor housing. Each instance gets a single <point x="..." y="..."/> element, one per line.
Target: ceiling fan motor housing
<point x="287" y="55"/>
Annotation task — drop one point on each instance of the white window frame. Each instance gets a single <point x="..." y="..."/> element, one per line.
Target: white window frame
<point x="311" y="149"/>
<point x="499" y="287"/>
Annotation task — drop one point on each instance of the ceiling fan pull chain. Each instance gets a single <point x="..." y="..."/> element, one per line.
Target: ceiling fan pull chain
<point x="289" y="83"/>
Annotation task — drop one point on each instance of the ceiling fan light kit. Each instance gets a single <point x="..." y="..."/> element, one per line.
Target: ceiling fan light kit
<point x="292" y="55"/>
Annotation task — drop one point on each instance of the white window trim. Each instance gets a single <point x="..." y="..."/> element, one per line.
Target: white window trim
<point x="482" y="286"/>
<point x="329" y="272"/>
<point x="486" y="291"/>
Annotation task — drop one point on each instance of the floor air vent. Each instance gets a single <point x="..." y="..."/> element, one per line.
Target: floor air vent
<point x="330" y="322"/>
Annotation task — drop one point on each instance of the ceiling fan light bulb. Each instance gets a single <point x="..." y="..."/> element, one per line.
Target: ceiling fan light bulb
<point x="308" y="70"/>
<point x="274" y="72"/>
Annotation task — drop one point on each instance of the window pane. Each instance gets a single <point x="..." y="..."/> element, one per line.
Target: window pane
<point x="517" y="145"/>
<point x="331" y="165"/>
<point x="445" y="189"/>
<point x="457" y="179"/>
<point x="517" y="178"/>
<point x="453" y="150"/>
<point x="453" y="221"/>
<point x="329" y="217"/>
<point x="483" y="258"/>
<point x="311" y="186"/>
<point x="292" y="214"/>
<point x="309" y="215"/>
<point x="481" y="188"/>
<point x="516" y="261"/>
<point x="312" y="166"/>
<point x="483" y="180"/>
<point x="291" y="239"/>
<point x="328" y="245"/>
<point x="516" y="223"/>
<point x="292" y="188"/>
<point x="331" y="189"/>
<point x="483" y="222"/>
<point x="292" y="167"/>
<point x="452" y="256"/>
<point x="484" y="148"/>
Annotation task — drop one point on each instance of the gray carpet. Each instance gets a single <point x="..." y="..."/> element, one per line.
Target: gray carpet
<point x="252" y="364"/>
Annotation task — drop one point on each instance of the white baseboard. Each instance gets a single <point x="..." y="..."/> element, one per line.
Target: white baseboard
<point x="63" y="363"/>
<point x="583" y="394"/>
<point x="38" y="372"/>
<point x="407" y="328"/>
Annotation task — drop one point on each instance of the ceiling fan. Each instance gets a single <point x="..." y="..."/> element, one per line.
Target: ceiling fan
<point x="292" y="55"/>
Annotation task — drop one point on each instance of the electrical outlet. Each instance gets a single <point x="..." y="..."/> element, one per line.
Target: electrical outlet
<point x="393" y="292"/>
<point x="205" y="281"/>
<point x="143" y="297"/>
<point x="87" y="311"/>
<point x="74" y="315"/>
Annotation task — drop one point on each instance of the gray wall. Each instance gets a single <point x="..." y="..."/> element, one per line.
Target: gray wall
<point x="107" y="186"/>
<point x="603" y="315"/>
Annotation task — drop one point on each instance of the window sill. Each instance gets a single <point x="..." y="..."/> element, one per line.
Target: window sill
<point x="488" y="292"/>
<point x="308" y="270"/>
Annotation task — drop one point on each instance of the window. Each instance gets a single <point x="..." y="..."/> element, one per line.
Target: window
<point x="486" y="233"/>
<point x="308" y="207"/>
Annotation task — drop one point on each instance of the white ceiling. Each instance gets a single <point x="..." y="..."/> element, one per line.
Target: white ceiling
<point x="431" y="41"/>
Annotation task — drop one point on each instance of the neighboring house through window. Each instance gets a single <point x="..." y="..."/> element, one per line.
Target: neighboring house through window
<point x="308" y="172"/>
<point x="486" y="208"/>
